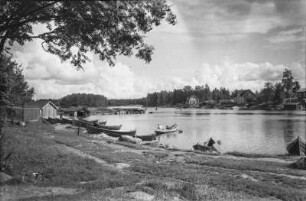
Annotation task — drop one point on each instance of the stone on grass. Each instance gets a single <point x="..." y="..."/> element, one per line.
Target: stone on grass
<point x="4" y="177"/>
<point x="141" y="196"/>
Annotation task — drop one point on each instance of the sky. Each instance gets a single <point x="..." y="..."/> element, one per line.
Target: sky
<point x="236" y="44"/>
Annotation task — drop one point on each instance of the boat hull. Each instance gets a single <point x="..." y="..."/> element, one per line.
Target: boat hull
<point x="85" y="123"/>
<point x="114" y="127"/>
<point x="169" y="129"/>
<point x="113" y="133"/>
<point x="161" y="131"/>
<point x="147" y="137"/>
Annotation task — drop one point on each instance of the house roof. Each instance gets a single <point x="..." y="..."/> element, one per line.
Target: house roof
<point x="244" y="92"/>
<point x="39" y="104"/>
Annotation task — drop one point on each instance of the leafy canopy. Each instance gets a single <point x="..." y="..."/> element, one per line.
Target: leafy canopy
<point x="14" y="90"/>
<point x="73" y="28"/>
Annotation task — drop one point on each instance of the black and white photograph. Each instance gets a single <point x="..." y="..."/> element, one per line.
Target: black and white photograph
<point x="153" y="100"/>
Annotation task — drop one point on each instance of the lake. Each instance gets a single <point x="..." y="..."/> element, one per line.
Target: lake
<point x="259" y="132"/>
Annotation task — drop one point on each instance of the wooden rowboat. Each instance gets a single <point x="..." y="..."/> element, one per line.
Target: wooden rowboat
<point x="85" y="123"/>
<point x="147" y="137"/>
<point x="168" y="129"/>
<point x="108" y="127"/>
<point x="66" y="121"/>
<point x="53" y="120"/>
<point x="297" y="147"/>
<point x="113" y="133"/>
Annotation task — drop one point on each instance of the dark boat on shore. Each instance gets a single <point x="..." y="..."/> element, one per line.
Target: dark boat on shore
<point x="53" y="120"/>
<point x="168" y="129"/>
<point x="113" y="133"/>
<point x="108" y="127"/>
<point x="147" y="137"/>
<point x="66" y="121"/>
<point x="84" y="123"/>
<point x="296" y="147"/>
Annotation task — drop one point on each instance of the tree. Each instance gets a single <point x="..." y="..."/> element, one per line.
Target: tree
<point x="267" y="93"/>
<point x="14" y="90"/>
<point x="289" y="84"/>
<point x="73" y="28"/>
<point x="278" y="93"/>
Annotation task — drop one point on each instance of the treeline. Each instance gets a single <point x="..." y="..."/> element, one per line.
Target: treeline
<point x="180" y="96"/>
<point x="93" y="100"/>
<point x="272" y="93"/>
<point x="118" y="102"/>
<point x="90" y="100"/>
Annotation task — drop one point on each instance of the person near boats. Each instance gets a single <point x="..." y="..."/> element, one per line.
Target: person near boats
<point x="160" y="127"/>
<point x="210" y="144"/>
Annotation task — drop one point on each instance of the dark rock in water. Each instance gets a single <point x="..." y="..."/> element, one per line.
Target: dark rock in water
<point x="296" y="147"/>
<point x="300" y="164"/>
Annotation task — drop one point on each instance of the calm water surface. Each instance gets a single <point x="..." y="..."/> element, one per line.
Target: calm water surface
<point x="261" y="132"/>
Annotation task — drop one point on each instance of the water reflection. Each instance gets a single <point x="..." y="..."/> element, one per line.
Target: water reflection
<point x="243" y="131"/>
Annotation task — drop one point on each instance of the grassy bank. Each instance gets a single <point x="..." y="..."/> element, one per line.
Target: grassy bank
<point x="61" y="158"/>
<point x="33" y="150"/>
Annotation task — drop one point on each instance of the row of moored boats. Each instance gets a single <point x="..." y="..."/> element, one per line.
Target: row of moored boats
<point x="97" y="127"/>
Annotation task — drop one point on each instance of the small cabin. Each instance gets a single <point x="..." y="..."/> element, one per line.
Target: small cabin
<point x="301" y="95"/>
<point x="245" y="96"/>
<point x="193" y="100"/>
<point x="75" y="112"/>
<point x="42" y="108"/>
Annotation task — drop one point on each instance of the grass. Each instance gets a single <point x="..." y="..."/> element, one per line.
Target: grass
<point x="34" y="152"/>
<point x="37" y="148"/>
<point x="229" y="180"/>
<point x="252" y="165"/>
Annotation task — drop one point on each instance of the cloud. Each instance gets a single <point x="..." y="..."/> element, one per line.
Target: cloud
<point x="239" y="17"/>
<point x="52" y="78"/>
<point x="287" y="36"/>
<point x="239" y="75"/>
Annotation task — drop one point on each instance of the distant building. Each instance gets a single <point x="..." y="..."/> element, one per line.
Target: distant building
<point x="226" y="101"/>
<point x="42" y="108"/>
<point x="301" y="95"/>
<point x="75" y="112"/>
<point x="208" y="103"/>
<point x="245" y="96"/>
<point x="193" y="101"/>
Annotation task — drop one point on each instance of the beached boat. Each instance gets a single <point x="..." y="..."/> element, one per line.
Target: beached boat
<point x="84" y="123"/>
<point x="296" y="147"/>
<point x="66" y="121"/>
<point x="147" y="137"/>
<point x="53" y="120"/>
<point x="108" y="127"/>
<point x="113" y="133"/>
<point x="90" y="121"/>
<point x="168" y="129"/>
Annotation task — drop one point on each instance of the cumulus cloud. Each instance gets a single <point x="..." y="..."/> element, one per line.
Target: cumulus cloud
<point x="239" y="75"/>
<point x="53" y="78"/>
<point x="287" y="36"/>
